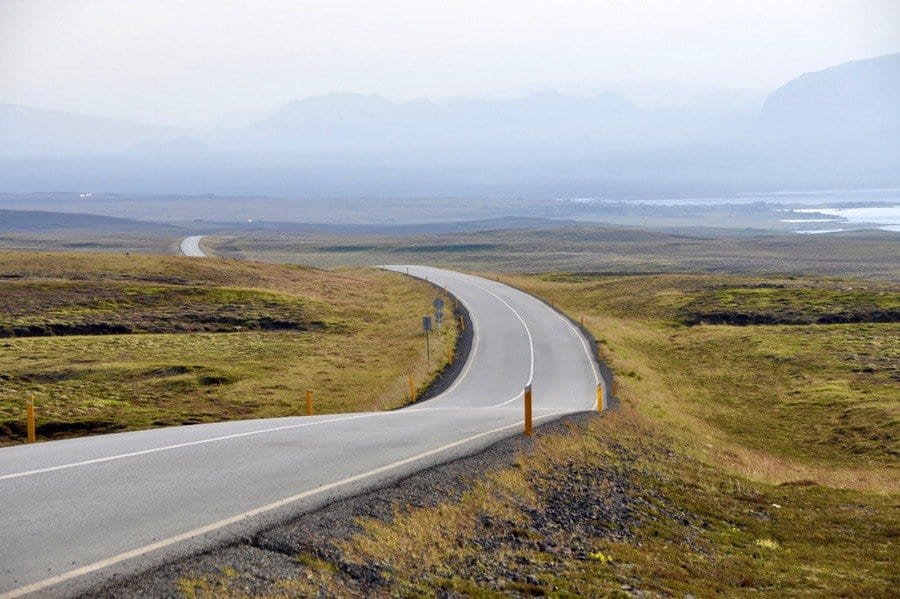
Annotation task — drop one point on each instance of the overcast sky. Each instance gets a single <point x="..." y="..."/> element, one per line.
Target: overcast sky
<point x="189" y="63"/>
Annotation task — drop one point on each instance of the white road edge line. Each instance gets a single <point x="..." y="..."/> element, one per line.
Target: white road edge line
<point x="99" y="565"/>
<point x="132" y="454"/>
<point x="578" y="334"/>
<point x="524" y="324"/>
<point x="474" y="326"/>
<point x="466" y="368"/>
<point x="527" y="332"/>
<point x="584" y="344"/>
<point x="587" y="351"/>
<point x="121" y="456"/>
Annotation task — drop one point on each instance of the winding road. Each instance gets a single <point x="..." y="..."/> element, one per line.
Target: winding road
<point x="78" y="512"/>
<point x="190" y="246"/>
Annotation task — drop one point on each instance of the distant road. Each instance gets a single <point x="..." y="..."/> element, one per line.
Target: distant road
<point x="190" y="246"/>
<point x="78" y="511"/>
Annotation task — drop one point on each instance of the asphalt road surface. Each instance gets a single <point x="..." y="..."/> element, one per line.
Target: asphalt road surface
<point x="190" y="246"/>
<point x="79" y="512"/>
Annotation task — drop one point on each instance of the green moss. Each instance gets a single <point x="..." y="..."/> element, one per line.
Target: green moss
<point x="818" y="394"/>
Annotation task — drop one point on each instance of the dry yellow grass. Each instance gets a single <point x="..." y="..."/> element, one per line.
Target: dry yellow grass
<point x="728" y="471"/>
<point x="609" y="510"/>
<point x="766" y="402"/>
<point x="365" y="338"/>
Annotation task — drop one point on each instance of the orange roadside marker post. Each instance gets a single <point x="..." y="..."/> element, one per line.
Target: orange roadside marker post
<point x="412" y="389"/>
<point x="29" y="417"/>
<point x="309" y="403"/>
<point x="599" y="398"/>
<point x="528" y="411"/>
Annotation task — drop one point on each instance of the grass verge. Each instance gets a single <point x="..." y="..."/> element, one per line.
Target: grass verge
<point x="751" y="460"/>
<point x="289" y="329"/>
<point x="594" y="249"/>
<point x="775" y="403"/>
<point x="585" y="517"/>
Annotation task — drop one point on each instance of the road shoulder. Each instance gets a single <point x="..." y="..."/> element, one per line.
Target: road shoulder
<point x="256" y="563"/>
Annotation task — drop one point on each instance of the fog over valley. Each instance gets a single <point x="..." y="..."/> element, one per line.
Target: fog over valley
<point x="833" y="128"/>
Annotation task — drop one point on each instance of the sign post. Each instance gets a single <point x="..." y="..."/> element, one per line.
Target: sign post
<point x="438" y="304"/>
<point x="426" y="326"/>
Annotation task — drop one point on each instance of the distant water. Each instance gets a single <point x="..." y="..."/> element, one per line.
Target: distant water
<point x="827" y="197"/>
<point x="826" y="207"/>
<point x="881" y="217"/>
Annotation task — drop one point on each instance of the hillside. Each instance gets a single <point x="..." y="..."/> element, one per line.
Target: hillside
<point x="859" y="98"/>
<point x="109" y="343"/>
<point x="27" y="131"/>
<point x="744" y="460"/>
<point x="36" y="220"/>
<point x="36" y="230"/>
<point x="595" y="249"/>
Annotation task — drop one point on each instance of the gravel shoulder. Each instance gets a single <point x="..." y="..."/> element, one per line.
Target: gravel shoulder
<point x="270" y="556"/>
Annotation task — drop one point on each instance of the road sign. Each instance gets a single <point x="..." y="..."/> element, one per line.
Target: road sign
<point x="426" y="323"/>
<point x="438" y="304"/>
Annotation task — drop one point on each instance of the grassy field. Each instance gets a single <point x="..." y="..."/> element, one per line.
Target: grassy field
<point x="772" y="402"/>
<point x="755" y="453"/>
<point x="745" y="460"/>
<point x="108" y="343"/>
<point x="616" y="510"/>
<point x="599" y="249"/>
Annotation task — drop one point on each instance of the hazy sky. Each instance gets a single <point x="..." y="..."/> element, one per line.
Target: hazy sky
<point x="188" y="63"/>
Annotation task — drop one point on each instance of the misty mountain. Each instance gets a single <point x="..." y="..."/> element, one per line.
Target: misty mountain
<point x="832" y="128"/>
<point x="351" y="121"/>
<point x="841" y="125"/>
<point x="545" y="121"/>
<point x="366" y="123"/>
<point x="38" y="132"/>
<point x="859" y="98"/>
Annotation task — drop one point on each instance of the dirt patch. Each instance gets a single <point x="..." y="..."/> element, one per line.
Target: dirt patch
<point x="214" y="379"/>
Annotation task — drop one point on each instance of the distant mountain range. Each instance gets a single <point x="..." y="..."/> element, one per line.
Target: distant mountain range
<point x="356" y="122"/>
<point x="37" y="132"/>
<point x="856" y="99"/>
<point x="834" y="127"/>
